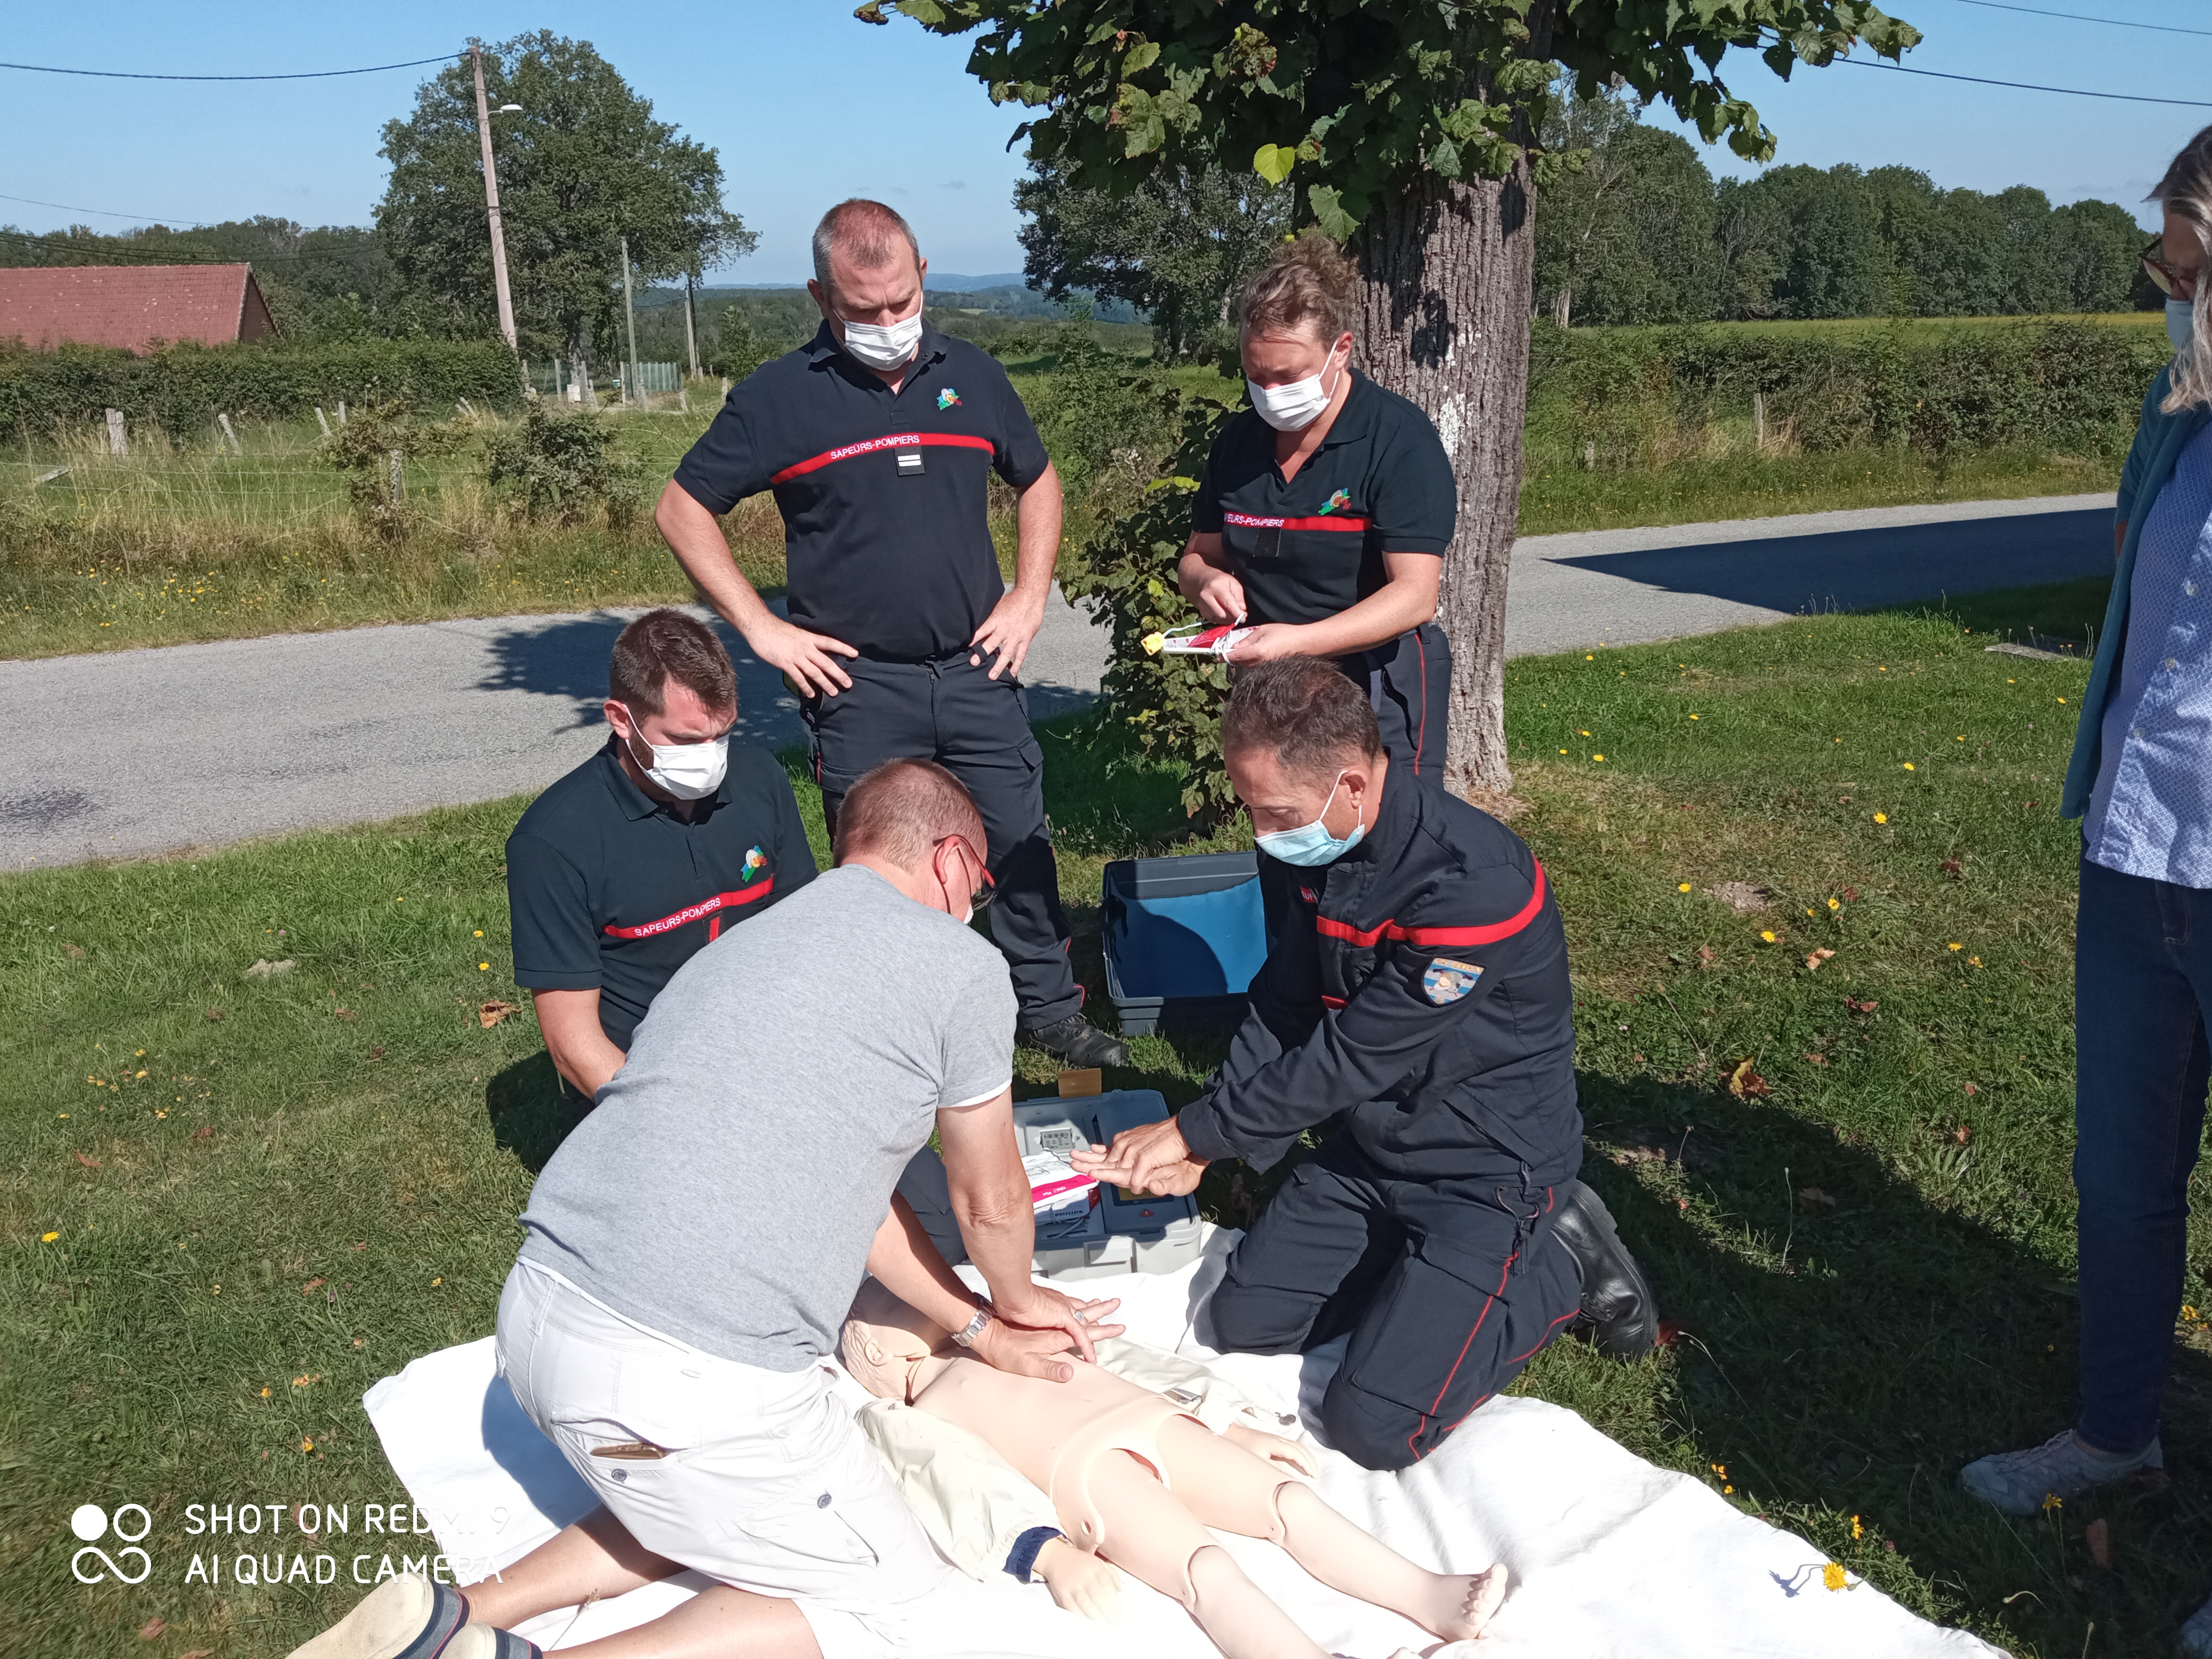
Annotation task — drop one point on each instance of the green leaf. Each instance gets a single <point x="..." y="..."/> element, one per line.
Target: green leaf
<point x="924" y="12"/>
<point x="1444" y="158"/>
<point x="1142" y="56"/>
<point x="1273" y="162"/>
<point x="1328" y="212"/>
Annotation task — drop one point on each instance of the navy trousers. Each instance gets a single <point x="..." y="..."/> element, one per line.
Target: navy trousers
<point x="1408" y="683"/>
<point x="2142" y="987"/>
<point x="978" y="729"/>
<point x="1447" y="1287"/>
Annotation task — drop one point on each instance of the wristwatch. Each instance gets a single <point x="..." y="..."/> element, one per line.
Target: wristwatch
<point x="967" y="1334"/>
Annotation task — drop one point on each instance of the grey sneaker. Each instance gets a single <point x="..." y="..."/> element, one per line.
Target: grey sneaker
<point x="483" y="1642"/>
<point x="2197" y="1634"/>
<point x="2061" y="1468"/>
<point x="403" y="1618"/>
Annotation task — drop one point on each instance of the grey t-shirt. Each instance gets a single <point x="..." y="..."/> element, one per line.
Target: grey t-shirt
<point x="726" y="1187"/>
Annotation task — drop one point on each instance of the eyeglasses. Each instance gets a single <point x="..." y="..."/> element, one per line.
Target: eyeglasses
<point x="2174" y="284"/>
<point x="987" y="888"/>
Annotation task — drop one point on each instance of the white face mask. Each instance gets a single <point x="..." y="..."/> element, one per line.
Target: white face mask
<point x="689" y="771"/>
<point x="2180" y="322"/>
<point x="1291" y="408"/>
<point x="884" y="347"/>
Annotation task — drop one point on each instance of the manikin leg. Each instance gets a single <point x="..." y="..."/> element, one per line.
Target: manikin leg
<point x="1150" y="1534"/>
<point x="1228" y="1487"/>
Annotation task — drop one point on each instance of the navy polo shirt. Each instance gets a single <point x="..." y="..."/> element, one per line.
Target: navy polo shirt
<point x="884" y="495"/>
<point x="1311" y="547"/>
<point x="607" y="889"/>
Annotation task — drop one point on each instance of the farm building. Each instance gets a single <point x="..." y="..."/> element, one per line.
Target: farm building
<point x="133" y="307"/>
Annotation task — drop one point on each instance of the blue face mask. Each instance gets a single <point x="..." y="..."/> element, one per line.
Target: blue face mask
<point x="1311" y="843"/>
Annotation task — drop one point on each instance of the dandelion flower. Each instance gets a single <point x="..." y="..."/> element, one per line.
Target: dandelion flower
<point x="2062" y="700"/>
<point x="1587" y="657"/>
<point x="1694" y="717"/>
<point x="483" y="967"/>
<point x="438" y="1280"/>
<point x="2188" y="1311"/>
<point x="1726" y="1491"/>
<point x="48" y="1238"/>
<point x="1563" y="751"/>
<point x="1584" y="731"/>
<point x="1681" y="886"/>
<point x="1881" y="817"/>
<point x="265" y="1394"/>
<point x="1908" y="766"/>
<point x="2052" y="1501"/>
<point x="1961" y="737"/>
<point x="1834" y="1577"/>
<point x="1858" y="1531"/>
<point x="1973" y="962"/>
<point x="1767" y="933"/>
<point x="1835" y="904"/>
<point x="307" y="1445"/>
<point x="1597" y="757"/>
<point x="1955" y="945"/>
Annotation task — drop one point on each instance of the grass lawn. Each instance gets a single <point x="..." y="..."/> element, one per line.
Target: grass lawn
<point x="234" y="1202"/>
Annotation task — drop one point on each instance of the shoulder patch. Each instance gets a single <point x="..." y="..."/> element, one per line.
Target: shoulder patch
<point x="1309" y="895"/>
<point x="1446" y="980"/>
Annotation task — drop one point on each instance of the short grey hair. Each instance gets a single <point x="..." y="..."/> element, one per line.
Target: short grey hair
<point x="2186" y="192"/>
<point x="865" y="230"/>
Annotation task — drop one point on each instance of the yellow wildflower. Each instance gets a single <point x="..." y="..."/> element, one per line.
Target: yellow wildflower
<point x="483" y="967"/>
<point x="1858" y="1531"/>
<point x="1681" y="886"/>
<point x="1694" y="717"/>
<point x="480" y="931"/>
<point x="48" y="1238"/>
<point x="1597" y="757"/>
<point x="2052" y="1501"/>
<point x="1881" y="817"/>
<point x="1834" y="1577"/>
<point x="1835" y="904"/>
<point x="265" y="1394"/>
<point x="1726" y="1491"/>
<point x="1767" y="933"/>
<point x="307" y="1445"/>
<point x="1955" y="945"/>
<point x="438" y="1280"/>
<point x="1908" y="766"/>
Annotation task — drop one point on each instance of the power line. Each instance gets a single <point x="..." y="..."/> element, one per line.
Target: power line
<point x="104" y="213"/>
<point x="2023" y="86"/>
<point x="2083" y="17"/>
<point x="308" y="75"/>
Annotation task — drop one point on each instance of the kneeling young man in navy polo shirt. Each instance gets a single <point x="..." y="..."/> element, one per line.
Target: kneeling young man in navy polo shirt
<point x="1417" y="993"/>
<point x="624" y="869"/>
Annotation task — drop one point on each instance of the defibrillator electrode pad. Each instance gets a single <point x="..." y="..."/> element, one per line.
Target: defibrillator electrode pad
<point x="1088" y="1230"/>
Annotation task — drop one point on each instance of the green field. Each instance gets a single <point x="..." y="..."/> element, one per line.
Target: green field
<point x="234" y="1202"/>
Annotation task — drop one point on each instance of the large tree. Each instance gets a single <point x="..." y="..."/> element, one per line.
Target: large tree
<point x="582" y="166"/>
<point x="1410" y="127"/>
<point x="1176" y="247"/>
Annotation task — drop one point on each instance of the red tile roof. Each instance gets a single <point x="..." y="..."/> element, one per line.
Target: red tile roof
<point x="132" y="305"/>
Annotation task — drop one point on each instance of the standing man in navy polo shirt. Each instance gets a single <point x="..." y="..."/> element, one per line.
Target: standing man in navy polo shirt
<point x="627" y="868"/>
<point x="878" y="438"/>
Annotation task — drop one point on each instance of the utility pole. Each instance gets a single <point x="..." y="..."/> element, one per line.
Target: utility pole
<point x="630" y="393"/>
<point x="491" y="207"/>
<point x="690" y="332"/>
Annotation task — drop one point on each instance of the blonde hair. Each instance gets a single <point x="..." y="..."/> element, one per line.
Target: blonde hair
<point x="1308" y="281"/>
<point x="2186" y="192"/>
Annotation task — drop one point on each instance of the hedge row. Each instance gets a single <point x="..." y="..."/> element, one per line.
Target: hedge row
<point x="184" y="386"/>
<point x="2067" y="387"/>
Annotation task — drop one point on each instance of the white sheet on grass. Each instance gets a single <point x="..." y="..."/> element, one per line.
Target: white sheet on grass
<point x="1609" y="1555"/>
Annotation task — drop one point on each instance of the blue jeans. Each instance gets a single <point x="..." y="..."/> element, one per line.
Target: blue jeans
<point x="2142" y="986"/>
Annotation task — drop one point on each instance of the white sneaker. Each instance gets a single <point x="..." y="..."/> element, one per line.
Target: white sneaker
<point x="483" y="1642"/>
<point x="403" y="1618"/>
<point x="2062" y="1468"/>
<point x="2197" y="1634"/>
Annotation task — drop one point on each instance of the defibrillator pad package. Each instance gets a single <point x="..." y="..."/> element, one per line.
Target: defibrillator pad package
<point x="1099" y="1230"/>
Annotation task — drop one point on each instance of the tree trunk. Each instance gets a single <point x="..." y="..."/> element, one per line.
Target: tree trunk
<point x="1448" y="270"/>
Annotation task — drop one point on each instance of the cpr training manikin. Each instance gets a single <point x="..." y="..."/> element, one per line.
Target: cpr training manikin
<point x="1132" y="1460"/>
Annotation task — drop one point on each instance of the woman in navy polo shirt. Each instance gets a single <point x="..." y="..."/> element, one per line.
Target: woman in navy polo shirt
<point x="1326" y="509"/>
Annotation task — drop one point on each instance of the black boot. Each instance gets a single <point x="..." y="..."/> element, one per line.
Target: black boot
<point x="1076" y="1041"/>
<point x="1620" y="1315"/>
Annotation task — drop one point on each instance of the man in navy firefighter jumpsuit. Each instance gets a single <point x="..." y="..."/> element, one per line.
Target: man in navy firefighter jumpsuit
<point x="1418" y="993"/>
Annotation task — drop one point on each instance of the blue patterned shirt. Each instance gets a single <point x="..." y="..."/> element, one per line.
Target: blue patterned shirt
<point x="2150" y="813"/>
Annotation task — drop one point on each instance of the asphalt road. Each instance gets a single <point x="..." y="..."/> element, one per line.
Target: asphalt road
<point x="134" y="752"/>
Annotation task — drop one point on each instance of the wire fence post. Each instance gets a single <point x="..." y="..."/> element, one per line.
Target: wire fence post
<point x="399" y="483"/>
<point x="117" y="443"/>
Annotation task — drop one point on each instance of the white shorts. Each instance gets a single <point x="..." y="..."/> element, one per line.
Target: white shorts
<point x="767" y="1484"/>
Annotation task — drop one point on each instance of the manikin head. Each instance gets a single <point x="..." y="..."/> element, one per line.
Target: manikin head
<point x="884" y="1342"/>
<point x="1299" y="742"/>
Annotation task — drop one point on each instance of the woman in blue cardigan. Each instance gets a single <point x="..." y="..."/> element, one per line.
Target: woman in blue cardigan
<point x="2141" y="780"/>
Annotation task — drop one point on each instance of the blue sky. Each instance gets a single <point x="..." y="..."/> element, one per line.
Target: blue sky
<point x="806" y="106"/>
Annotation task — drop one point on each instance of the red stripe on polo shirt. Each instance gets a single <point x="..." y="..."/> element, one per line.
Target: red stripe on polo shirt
<point x="1331" y="521"/>
<point x="870" y="446"/>
<point x="692" y="913"/>
<point x="1426" y="937"/>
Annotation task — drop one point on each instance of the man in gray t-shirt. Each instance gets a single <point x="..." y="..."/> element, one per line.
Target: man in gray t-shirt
<point x="694" y="1243"/>
<point x="776" y="1088"/>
